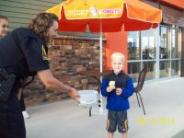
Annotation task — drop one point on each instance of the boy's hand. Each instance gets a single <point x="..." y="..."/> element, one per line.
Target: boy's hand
<point x="119" y="91"/>
<point x="109" y="89"/>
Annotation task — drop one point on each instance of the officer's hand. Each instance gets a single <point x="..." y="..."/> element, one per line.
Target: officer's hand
<point x="74" y="94"/>
<point x="119" y="91"/>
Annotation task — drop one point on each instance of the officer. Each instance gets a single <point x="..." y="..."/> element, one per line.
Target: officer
<point x="23" y="52"/>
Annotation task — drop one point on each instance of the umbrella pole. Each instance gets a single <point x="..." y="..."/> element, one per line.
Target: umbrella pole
<point x="101" y="53"/>
<point x="101" y="111"/>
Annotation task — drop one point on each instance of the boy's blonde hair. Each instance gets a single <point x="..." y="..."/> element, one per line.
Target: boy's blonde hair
<point x="117" y="55"/>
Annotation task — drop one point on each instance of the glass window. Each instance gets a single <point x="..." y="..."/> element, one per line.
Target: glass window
<point x="164" y="44"/>
<point x="175" y="67"/>
<point x="133" y="70"/>
<point x="144" y="52"/>
<point x="164" y="68"/>
<point x="148" y="44"/>
<point x="134" y="50"/>
<point x="150" y="69"/>
<point x="175" y="42"/>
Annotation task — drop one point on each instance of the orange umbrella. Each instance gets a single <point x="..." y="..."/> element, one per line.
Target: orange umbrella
<point x="106" y="15"/>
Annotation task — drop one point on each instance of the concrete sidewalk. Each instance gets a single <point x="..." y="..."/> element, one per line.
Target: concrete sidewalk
<point x="163" y="102"/>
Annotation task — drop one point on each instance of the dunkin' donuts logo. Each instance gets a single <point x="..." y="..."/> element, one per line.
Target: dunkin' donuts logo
<point x="110" y="11"/>
<point x="94" y="11"/>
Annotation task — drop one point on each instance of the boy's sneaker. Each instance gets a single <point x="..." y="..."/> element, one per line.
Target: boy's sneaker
<point x="25" y="114"/>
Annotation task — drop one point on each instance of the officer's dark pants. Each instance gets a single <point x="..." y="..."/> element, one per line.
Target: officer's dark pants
<point x="11" y="119"/>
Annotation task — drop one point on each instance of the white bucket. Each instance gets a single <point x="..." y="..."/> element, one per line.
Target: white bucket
<point x="88" y="97"/>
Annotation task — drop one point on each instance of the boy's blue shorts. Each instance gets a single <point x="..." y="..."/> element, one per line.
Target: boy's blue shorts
<point x="117" y="119"/>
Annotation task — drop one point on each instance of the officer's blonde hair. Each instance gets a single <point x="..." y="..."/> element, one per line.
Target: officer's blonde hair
<point x="41" y="24"/>
<point x="117" y="55"/>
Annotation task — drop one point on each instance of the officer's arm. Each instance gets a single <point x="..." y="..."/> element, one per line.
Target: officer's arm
<point x="50" y="82"/>
<point x="36" y="59"/>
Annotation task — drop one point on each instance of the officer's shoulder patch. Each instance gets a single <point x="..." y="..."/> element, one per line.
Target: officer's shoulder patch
<point x="44" y="53"/>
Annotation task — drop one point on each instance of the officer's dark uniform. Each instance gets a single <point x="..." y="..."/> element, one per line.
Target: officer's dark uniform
<point x="22" y="53"/>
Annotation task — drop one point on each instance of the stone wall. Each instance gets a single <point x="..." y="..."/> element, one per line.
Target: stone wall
<point x="68" y="57"/>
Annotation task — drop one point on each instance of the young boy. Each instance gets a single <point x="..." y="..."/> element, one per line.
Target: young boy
<point x="117" y="87"/>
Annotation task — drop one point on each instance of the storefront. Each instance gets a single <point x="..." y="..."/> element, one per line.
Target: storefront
<point x="159" y="49"/>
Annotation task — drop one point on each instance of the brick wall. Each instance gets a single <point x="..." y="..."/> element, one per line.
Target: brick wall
<point x="68" y="57"/>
